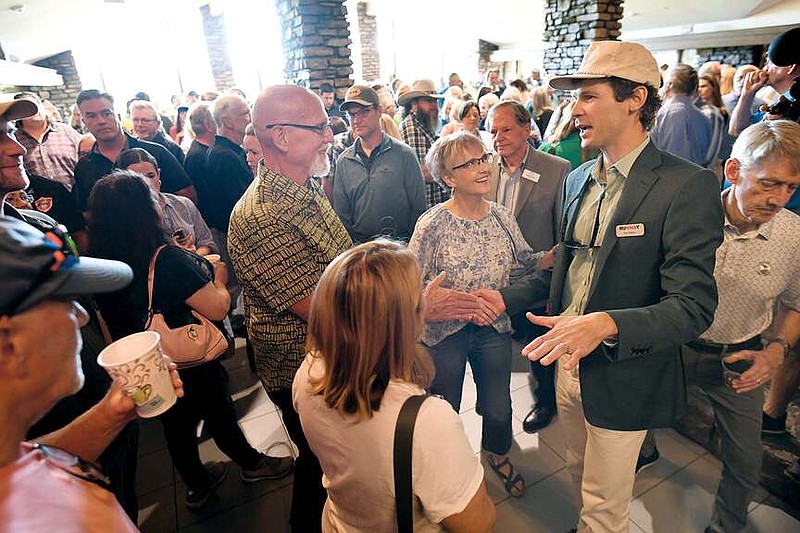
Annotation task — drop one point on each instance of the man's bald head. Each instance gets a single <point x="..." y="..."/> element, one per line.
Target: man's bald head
<point x="284" y="104"/>
<point x="291" y="126"/>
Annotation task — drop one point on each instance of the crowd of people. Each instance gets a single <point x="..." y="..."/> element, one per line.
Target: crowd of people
<point x="630" y="226"/>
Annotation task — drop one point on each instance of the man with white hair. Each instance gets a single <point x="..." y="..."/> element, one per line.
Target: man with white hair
<point x="756" y="269"/>
<point x="147" y="127"/>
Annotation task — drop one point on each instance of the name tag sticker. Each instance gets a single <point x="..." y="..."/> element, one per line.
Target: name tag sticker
<point x="530" y="175"/>
<point x="630" y="230"/>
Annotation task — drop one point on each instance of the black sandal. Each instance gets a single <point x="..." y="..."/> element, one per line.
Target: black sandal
<point x="510" y="480"/>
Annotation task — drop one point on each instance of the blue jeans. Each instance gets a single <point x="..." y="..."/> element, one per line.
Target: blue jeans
<point x="489" y="355"/>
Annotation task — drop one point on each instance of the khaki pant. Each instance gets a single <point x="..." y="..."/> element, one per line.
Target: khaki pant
<point x="602" y="462"/>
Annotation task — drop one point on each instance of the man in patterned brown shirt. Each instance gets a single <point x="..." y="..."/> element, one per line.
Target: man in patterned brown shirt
<point x="283" y="233"/>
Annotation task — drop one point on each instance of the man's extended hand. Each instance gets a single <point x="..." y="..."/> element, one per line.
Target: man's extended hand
<point x="763" y="364"/>
<point x="492" y="306"/>
<point x="443" y="304"/>
<point x="572" y="336"/>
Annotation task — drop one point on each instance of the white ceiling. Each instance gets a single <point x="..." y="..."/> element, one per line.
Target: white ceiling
<point x="46" y="27"/>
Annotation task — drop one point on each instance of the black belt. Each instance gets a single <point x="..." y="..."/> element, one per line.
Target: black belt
<point x="720" y="349"/>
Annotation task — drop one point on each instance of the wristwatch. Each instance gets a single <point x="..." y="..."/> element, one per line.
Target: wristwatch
<point x="783" y="342"/>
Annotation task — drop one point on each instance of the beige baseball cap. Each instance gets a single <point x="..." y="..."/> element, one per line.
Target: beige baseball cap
<point x="604" y="59"/>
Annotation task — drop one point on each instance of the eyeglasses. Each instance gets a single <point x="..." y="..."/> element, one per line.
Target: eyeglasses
<point x="73" y="465"/>
<point x="319" y="129"/>
<point x="473" y="162"/>
<point x="575" y="245"/>
<point x="360" y="114"/>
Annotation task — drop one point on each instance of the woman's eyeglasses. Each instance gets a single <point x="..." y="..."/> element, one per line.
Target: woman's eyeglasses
<point x="73" y="464"/>
<point x="473" y="162"/>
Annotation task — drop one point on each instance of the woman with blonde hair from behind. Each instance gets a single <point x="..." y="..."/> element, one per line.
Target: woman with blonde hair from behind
<point x="364" y="362"/>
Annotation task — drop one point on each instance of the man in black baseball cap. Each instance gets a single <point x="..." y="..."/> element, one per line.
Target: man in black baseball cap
<point x="780" y="70"/>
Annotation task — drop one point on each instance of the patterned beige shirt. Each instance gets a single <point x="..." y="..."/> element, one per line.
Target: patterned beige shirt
<point x="280" y="239"/>
<point x="752" y="270"/>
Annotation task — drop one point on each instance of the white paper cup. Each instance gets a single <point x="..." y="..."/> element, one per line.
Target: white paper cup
<point x="137" y="363"/>
<point x="213" y="258"/>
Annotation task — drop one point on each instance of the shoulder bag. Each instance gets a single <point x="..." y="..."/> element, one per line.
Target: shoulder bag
<point x="189" y="345"/>
<point x="403" y="440"/>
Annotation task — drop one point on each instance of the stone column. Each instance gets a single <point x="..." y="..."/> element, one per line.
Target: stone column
<point x="570" y="25"/>
<point x="368" y="30"/>
<point x="217" y="46"/>
<point x="62" y="96"/>
<point x="316" y="38"/>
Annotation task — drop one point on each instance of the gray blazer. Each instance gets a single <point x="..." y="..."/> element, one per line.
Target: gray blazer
<point x="658" y="287"/>
<point x="538" y="208"/>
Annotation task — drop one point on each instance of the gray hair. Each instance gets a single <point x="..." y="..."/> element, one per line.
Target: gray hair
<point x="198" y="114"/>
<point x="441" y="154"/>
<point x="768" y="140"/>
<point x="144" y="104"/>
<point x="223" y="106"/>
<point x="521" y="115"/>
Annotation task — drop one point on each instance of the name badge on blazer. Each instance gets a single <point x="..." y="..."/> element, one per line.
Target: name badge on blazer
<point x="530" y="175"/>
<point x="630" y="230"/>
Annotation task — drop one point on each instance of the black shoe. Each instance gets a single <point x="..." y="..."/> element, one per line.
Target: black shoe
<point x="773" y="426"/>
<point x="268" y="468"/>
<point x="646" y="461"/>
<point x="195" y="499"/>
<point x="539" y="418"/>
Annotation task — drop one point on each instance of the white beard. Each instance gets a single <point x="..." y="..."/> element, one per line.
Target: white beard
<point x="320" y="166"/>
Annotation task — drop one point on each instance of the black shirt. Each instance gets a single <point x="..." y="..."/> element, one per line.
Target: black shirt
<point x="95" y="165"/>
<point x="195" y="167"/>
<point x="52" y="198"/>
<point x="227" y="177"/>
<point x="170" y="145"/>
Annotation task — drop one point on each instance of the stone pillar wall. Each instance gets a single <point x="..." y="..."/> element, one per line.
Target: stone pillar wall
<point x="570" y="25"/>
<point x="485" y="50"/>
<point x="368" y="30"/>
<point x="316" y="40"/>
<point x="217" y="47"/>
<point x="62" y="96"/>
<point x="732" y="55"/>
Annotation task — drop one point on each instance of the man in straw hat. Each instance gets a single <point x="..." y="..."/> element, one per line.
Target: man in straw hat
<point x="632" y="281"/>
<point x="418" y="130"/>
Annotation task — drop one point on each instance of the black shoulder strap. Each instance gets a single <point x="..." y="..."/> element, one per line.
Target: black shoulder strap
<point x="403" y="439"/>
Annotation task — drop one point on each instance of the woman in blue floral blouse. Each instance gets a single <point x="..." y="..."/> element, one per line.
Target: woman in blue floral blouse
<point x="479" y="246"/>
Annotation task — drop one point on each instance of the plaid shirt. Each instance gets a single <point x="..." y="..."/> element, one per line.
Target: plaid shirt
<point x="280" y="239"/>
<point x="420" y="138"/>
<point x="55" y="157"/>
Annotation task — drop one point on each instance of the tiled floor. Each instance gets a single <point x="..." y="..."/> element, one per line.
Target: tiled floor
<point x="675" y="495"/>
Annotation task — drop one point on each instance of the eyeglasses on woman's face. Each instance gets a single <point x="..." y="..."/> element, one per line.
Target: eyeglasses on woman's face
<point x="474" y="162"/>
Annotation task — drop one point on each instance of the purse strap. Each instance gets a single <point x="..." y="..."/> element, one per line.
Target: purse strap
<point x="151" y="275"/>
<point x="403" y="440"/>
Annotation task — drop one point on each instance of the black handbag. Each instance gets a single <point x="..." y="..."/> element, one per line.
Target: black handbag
<point x="403" y="440"/>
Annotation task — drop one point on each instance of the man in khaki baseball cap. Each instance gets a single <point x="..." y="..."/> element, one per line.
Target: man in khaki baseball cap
<point x="632" y="280"/>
